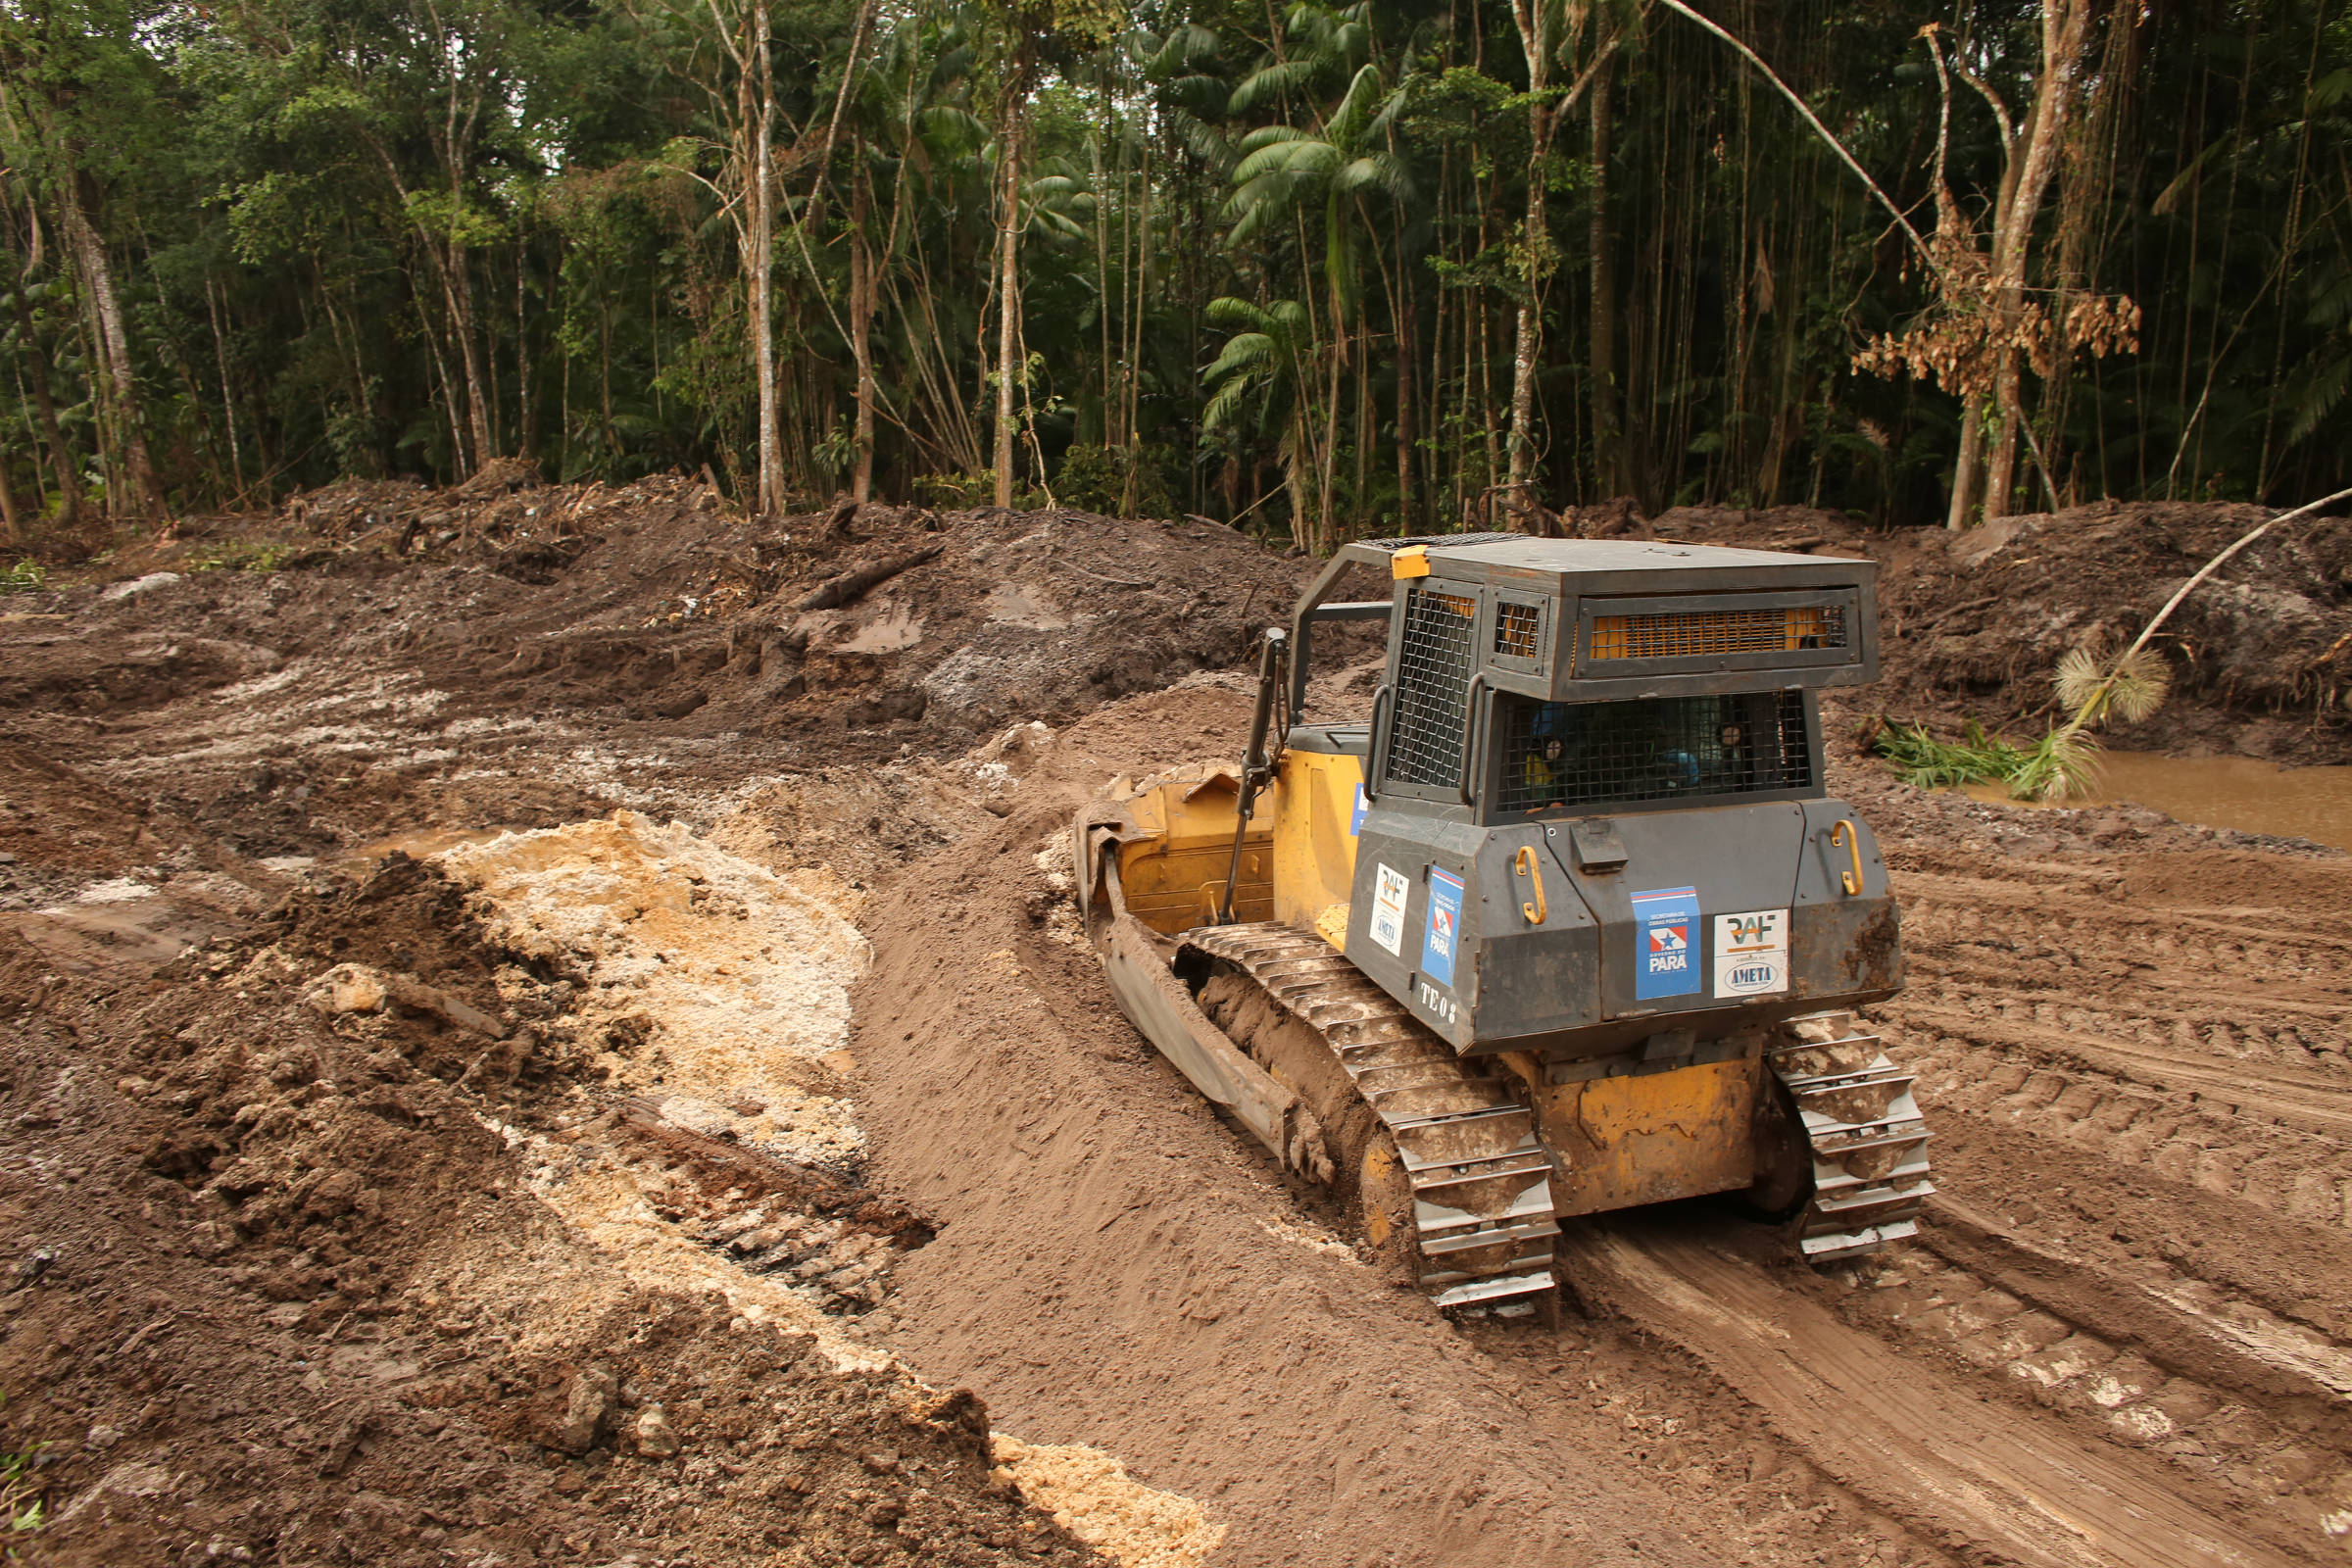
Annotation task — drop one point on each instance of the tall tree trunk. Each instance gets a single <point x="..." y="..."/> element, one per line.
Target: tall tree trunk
<point x="229" y="396"/>
<point x="2064" y="25"/>
<point x="60" y="457"/>
<point x="1409" y="344"/>
<point x="526" y="413"/>
<point x="862" y="316"/>
<point x="1608" y="439"/>
<point x="1969" y="470"/>
<point x="1535" y="42"/>
<point x="89" y="254"/>
<point x="757" y="104"/>
<point x="1009" y="295"/>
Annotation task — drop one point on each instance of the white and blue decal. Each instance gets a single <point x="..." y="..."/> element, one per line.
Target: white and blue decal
<point x="1444" y="937"/>
<point x="1665" y="942"/>
<point x="1356" y="820"/>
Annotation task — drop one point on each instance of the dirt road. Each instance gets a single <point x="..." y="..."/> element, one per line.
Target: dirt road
<point x="367" y="1207"/>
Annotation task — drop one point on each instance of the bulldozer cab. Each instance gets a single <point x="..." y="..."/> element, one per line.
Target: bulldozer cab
<point x="1589" y="766"/>
<point x="1528" y="675"/>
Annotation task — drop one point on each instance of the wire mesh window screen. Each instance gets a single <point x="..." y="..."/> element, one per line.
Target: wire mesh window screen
<point x="1433" y="688"/>
<point x="1591" y="754"/>
<point x="1694" y="633"/>
<point x="1518" y="629"/>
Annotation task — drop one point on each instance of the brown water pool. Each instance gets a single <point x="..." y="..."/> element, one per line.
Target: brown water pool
<point x="2243" y="793"/>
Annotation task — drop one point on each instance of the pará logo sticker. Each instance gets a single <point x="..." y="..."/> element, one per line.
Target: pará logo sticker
<point x="1388" y="909"/>
<point x="1443" y="940"/>
<point x="1665" y="920"/>
<point x="1751" y="953"/>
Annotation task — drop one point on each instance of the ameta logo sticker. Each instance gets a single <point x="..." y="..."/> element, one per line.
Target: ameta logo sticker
<point x="1751" y="953"/>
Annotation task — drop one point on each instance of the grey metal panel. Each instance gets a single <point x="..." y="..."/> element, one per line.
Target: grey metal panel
<point x="1567" y="989"/>
<point x="1331" y="740"/>
<point x="1616" y="554"/>
<point x="1843" y="946"/>
<point x="1409" y="839"/>
<point x="1739" y="859"/>
<point x="1529" y="977"/>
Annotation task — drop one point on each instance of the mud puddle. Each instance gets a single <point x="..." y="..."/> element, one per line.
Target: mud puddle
<point x="2244" y="792"/>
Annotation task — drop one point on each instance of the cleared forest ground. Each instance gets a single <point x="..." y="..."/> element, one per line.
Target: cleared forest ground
<point x="703" y="1183"/>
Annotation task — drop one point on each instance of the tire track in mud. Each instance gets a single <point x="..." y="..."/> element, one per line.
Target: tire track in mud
<point x="1916" y="1441"/>
<point x="2138" y="1081"/>
<point x="1113" y="1260"/>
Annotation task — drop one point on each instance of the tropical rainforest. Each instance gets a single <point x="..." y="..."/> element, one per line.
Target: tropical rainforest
<point x="1320" y="271"/>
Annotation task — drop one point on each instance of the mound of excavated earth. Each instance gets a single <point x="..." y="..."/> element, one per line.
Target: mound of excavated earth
<point x="1975" y="623"/>
<point x="545" y="1025"/>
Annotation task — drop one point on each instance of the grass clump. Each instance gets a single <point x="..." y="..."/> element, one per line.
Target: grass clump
<point x="2061" y="765"/>
<point x="24" y="577"/>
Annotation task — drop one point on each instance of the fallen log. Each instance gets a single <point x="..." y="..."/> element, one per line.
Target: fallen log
<point x="834" y="592"/>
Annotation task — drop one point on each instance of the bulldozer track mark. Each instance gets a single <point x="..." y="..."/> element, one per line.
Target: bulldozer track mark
<point x="2244" y="1348"/>
<point x="2310" y="1101"/>
<point x="1483" y="1223"/>
<point x="2299" y="1031"/>
<point x="2025" y="910"/>
<point x="2010" y="1329"/>
<point x="1920" y="1443"/>
<point x="2277" y="1166"/>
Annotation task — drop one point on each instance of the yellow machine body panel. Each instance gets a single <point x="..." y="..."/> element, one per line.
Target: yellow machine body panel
<point x="1315" y="854"/>
<point x="1618" y="1140"/>
<point x="1172" y="868"/>
<point x="1650" y="1138"/>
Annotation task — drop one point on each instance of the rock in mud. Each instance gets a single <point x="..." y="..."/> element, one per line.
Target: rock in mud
<point x="657" y="1438"/>
<point x="588" y="1407"/>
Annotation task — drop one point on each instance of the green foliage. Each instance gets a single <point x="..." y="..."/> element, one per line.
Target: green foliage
<point x="399" y="238"/>
<point x="21" y="1500"/>
<point x="1122" y="482"/>
<point x="25" y="576"/>
<point x="2061" y="765"/>
<point x="1922" y="760"/>
<point x="977" y="488"/>
<point x="270" y="555"/>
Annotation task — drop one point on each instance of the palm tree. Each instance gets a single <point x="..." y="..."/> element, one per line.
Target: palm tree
<point x="1264" y="377"/>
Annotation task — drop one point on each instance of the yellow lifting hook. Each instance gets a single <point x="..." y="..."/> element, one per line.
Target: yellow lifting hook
<point x="1852" y="838"/>
<point x="1537" y="913"/>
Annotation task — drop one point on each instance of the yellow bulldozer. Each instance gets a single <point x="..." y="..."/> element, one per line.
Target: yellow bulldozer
<point x="1566" y="924"/>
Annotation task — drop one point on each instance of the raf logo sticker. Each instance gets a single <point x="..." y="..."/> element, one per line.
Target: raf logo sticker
<point x="1388" y="909"/>
<point x="1751" y="953"/>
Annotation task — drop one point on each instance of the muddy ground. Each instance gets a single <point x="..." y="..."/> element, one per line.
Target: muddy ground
<point x="703" y="1170"/>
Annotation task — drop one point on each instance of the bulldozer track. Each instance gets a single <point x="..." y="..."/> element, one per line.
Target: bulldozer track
<point x="1868" y="1139"/>
<point x="1482" y="1219"/>
<point x="1483" y="1214"/>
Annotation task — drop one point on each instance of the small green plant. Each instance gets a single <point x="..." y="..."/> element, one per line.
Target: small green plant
<point x="24" y="577"/>
<point x="2061" y="765"/>
<point x="21" y="1500"/>
<point x="1118" y="481"/>
<point x="978" y="488"/>
<point x="272" y="557"/>
<point x="1919" y="758"/>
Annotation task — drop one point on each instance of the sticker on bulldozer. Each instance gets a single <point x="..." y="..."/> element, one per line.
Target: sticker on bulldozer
<point x="1751" y="953"/>
<point x="1388" y="909"/>
<point x="1665" y="924"/>
<point x="1440" y="943"/>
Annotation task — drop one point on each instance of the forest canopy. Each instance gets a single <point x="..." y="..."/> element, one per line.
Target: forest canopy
<point x="1391" y="266"/>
